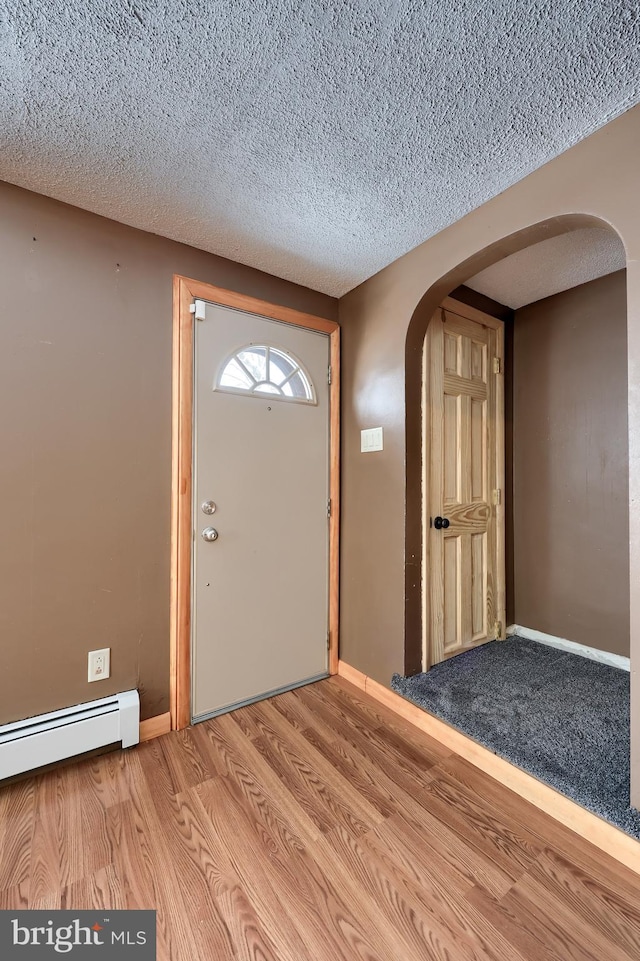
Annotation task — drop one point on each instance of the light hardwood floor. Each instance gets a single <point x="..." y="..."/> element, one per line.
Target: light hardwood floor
<point x="317" y="825"/>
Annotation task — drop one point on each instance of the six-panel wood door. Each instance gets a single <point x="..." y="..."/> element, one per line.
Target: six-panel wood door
<point x="464" y="539"/>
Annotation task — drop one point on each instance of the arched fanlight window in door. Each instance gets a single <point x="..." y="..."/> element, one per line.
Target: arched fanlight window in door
<point x="259" y="369"/>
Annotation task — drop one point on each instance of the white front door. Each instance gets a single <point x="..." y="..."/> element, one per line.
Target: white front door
<point x="261" y="467"/>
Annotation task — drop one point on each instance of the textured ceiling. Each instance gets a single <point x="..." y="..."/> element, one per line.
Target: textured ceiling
<point x="315" y="140"/>
<point x="550" y="266"/>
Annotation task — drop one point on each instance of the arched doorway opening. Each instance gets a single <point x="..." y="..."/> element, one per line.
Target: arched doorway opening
<point x="455" y="280"/>
<point x="566" y="488"/>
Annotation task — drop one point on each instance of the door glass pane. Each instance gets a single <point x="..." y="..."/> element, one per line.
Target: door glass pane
<point x="261" y="369"/>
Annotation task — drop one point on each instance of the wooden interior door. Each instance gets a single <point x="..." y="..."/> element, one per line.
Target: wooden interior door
<point x="464" y="475"/>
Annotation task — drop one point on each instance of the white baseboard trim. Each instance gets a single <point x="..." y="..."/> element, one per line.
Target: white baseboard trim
<point x="615" y="660"/>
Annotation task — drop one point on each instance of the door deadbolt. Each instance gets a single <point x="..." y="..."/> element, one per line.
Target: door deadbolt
<point x="209" y="534"/>
<point x="208" y="507"/>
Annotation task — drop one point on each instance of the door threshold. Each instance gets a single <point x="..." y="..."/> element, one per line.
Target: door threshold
<point x="258" y="697"/>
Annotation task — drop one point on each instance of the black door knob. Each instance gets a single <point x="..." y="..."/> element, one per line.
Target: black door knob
<point x="441" y="523"/>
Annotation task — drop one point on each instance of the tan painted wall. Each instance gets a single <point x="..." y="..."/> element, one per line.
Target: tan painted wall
<point x="571" y="465"/>
<point x="598" y="177"/>
<point x="85" y="422"/>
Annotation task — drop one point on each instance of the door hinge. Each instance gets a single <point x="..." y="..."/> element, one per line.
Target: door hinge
<point x="329" y="507"/>
<point x="328" y="640"/>
<point x="497" y="365"/>
<point x="328" y="375"/>
<point x="497" y="496"/>
<point x="497" y="630"/>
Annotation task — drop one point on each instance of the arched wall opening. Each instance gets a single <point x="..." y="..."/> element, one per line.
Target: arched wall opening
<point x="383" y="326"/>
<point x="414" y="345"/>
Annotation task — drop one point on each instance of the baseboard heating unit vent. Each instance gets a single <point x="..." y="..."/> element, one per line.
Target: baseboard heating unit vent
<point x="26" y="745"/>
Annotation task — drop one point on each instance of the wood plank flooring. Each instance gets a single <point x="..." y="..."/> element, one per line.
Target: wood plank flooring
<point x="316" y="825"/>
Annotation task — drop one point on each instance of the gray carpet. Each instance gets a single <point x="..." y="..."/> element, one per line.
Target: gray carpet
<point x="561" y="717"/>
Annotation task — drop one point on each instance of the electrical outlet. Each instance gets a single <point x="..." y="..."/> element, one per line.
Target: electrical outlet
<point x="99" y="664"/>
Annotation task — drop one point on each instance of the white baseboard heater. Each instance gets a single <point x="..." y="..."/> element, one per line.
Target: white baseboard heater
<point x="26" y="745"/>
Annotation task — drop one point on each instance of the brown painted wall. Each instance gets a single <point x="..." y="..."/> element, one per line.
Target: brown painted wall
<point x="384" y="321"/>
<point x="85" y="422"/>
<point x="571" y="465"/>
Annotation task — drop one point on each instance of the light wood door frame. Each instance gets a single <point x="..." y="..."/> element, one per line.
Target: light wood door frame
<point x="469" y="313"/>
<point x="185" y="291"/>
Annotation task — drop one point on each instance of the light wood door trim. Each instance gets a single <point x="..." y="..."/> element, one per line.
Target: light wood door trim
<point x="501" y="569"/>
<point x="185" y="291"/>
<point x="334" y="494"/>
<point x="471" y="313"/>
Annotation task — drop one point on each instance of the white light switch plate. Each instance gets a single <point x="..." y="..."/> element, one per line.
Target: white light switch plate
<point x="371" y="439"/>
